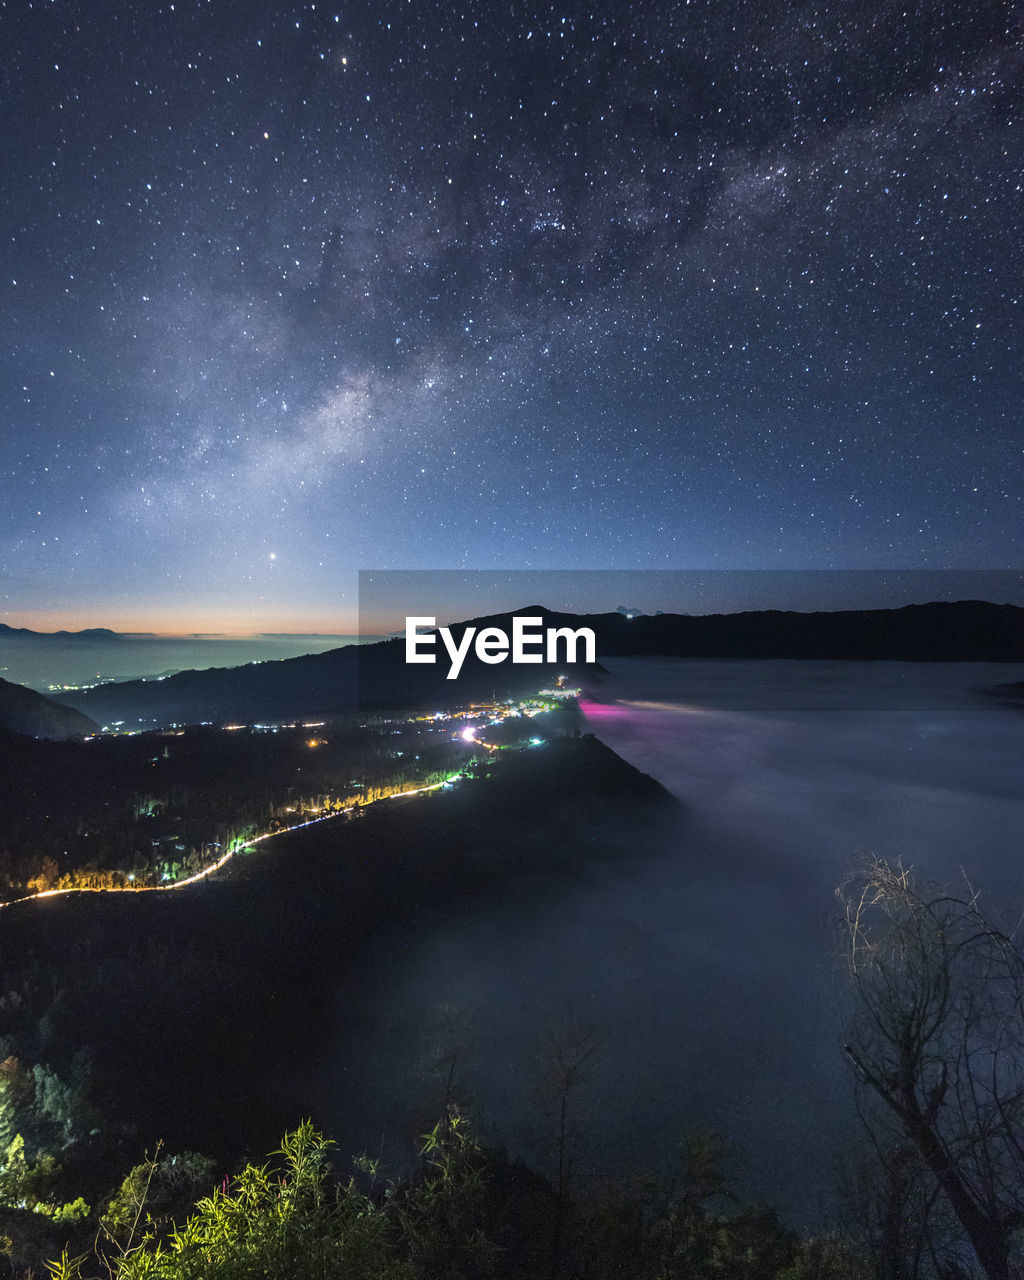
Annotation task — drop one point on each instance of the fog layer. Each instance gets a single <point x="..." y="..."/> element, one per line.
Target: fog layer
<point x="708" y="965"/>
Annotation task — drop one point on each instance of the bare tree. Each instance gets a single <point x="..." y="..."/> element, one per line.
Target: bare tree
<point x="894" y="1211"/>
<point x="938" y="1040"/>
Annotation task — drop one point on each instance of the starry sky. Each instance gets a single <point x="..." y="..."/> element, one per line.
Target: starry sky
<point x="291" y="291"/>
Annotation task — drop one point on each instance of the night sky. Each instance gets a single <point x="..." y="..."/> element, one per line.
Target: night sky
<point x="291" y="291"/>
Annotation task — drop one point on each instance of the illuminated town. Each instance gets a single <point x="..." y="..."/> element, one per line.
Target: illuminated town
<point x="343" y="769"/>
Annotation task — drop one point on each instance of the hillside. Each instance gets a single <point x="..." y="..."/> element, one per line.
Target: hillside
<point x="323" y="911"/>
<point x="377" y="675"/>
<point x="25" y="711"/>
<point x="311" y="687"/>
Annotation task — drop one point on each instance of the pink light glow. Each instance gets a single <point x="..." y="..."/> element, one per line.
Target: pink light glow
<point x="603" y="710"/>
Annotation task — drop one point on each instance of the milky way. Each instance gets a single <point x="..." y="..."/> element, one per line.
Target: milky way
<point x="291" y="291"/>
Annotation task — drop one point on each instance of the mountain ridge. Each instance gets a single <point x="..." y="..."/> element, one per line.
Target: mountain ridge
<point x="26" y="712"/>
<point x="377" y="675"/>
<point x="89" y="633"/>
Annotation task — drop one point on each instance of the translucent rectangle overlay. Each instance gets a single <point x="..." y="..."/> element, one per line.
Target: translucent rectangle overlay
<point x="388" y="596"/>
<point x="773" y="617"/>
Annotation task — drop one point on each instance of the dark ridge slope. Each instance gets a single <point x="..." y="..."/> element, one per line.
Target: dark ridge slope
<point x="312" y="687"/>
<point x="25" y="711"/>
<point x="232" y="985"/>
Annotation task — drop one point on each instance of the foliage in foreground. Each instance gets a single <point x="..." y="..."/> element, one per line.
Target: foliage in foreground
<point x="471" y="1215"/>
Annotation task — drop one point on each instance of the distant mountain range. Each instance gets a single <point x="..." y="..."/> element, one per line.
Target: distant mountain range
<point x="90" y="633"/>
<point x="965" y="631"/>
<point x="376" y="675"/>
<point x="25" y="711"/>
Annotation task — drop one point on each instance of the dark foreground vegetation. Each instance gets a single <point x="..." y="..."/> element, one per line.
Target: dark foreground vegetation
<point x="467" y="1212"/>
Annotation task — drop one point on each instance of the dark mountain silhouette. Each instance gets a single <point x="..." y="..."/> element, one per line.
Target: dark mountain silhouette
<point x="90" y="633"/>
<point x="311" y="687"/>
<point x="25" y="711"/>
<point x="376" y="675"/>
<point x="965" y="631"/>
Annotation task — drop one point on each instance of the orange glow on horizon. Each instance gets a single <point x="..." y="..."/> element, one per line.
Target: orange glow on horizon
<point x="180" y="622"/>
